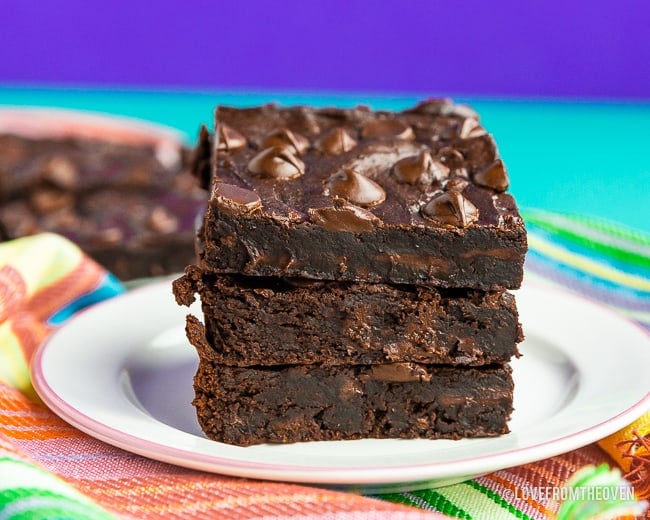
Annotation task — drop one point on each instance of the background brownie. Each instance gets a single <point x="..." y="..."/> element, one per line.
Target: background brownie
<point x="133" y="208"/>
<point x="405" y="400"/>
<point x="252" y="319"/>
<point x="415" y="197"/>
<point x="82" y="165"/>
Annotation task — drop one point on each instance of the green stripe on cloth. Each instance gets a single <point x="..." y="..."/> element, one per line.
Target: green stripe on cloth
<point x="428" y="499"/>
<point x="480" y="503"/>
<point x="588" y="265"/>
<point x="601" y="237"/>
<point x="36" y="503"/>
<point x="27" y="491"/>
<point x="494" y="496"/>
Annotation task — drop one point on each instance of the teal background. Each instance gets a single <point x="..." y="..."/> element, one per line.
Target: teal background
<point x="590" y="158"/>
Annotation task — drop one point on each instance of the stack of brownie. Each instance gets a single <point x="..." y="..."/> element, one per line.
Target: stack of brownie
<point x="132" y="207"/>
<point x="353" y="274"/>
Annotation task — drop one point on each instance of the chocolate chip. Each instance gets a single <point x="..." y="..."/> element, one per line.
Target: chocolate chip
<point x="432" y="106"/>
<point x="452" y="209"/>
<point x="162" y="221"/>
<point x="61" y="172"/>
<point x="109" y="236"/>
<point x="461" y="110"/>
<point x="336" y="142"/>
<point x="470" y="127"/>
<point x="356" y="188"/>
<point x="456" y="184"/>
<point x="277" y="162"/>
<point x="230" y="139"/>
<point x="493" y="176"/>
<point x="399" y="373"/>
<point x="344" y="217"/>
<point x="420" y="169"/>
<point x="450" y="157"/>
<point x="234" y="199"/>
<point x="384" y="128"/>
<point x="47" y="200"/>
<point x="478" y="150"/>
<point x="285" y="137"/>
<point x="304" y="283"/>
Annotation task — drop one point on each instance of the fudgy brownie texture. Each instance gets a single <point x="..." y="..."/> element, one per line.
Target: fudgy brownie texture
<point x="250" y="320"/>
<point x="415" y="197"/>
<point x="129" y="209"/>
<point x="254" y="405"/>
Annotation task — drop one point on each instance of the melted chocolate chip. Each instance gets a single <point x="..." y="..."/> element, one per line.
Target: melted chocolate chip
<point x="432" y="106"/>
<point x="277" y="162"/>
<point x="234" y="199"/>
<point x="61" y="172"/>
<point x="420" y="169"/>
<point x="336" y="142"/>
<point x="493" y="176"/>
<point x="344" y="217"/>
<point x="161" y="220"/>
<point x="399" y="373"/>
<point x="230" y="139"/>
<point x="302" y="282"/>
<point x="387" y="128"/>
<point x="470" y="127"/>
<point x="461" y="111"/>
<point x="456" y="184"/>
<point x="355" y="188"/>
<point x="450" y="157"/>
<point x="477" y="150"/>
<point x="47" y="200"/>
<point x="285" y="137"/>
<point x="451" y="208"/>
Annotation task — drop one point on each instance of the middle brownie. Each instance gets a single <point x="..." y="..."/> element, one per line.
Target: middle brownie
<point x="296" y="321"/>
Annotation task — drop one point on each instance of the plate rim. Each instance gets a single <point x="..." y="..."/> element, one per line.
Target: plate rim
<point x="348" y="475"/>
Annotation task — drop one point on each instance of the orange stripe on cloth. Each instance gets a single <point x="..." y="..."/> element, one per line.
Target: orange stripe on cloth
<point x="33" y="423"/>
<point x="39" y="434"/>
<point x="214" y="496"/>
<point x="520" y="493"/>
<point x="13" y="291"/>
<point x="83" y="278"/>
<point x="29" y="332"/>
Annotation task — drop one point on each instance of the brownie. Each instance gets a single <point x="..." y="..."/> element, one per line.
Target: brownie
<point x="81" y="165"/>
<point x="413" y="197"/>
<point x="127" y="206"/>
<point x="298" y="321"/>
<point x="251" y="405"/>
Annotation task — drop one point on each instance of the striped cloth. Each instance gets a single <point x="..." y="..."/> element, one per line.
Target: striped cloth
<point x="48" y="469"/>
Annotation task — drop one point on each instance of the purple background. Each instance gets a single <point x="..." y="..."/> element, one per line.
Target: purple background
<point x="556" y="48"/>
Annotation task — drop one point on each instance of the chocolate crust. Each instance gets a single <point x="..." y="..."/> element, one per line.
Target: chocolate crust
<point x="253" y="405"/>
<point x="248" y="319"/>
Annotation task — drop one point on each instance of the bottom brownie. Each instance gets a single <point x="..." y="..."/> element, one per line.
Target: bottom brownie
<point x="295" y="403"/>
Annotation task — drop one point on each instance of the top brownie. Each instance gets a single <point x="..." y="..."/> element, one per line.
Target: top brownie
<point x="412" y="197"/>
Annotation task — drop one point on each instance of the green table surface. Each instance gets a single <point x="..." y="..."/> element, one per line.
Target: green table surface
<point x="590" y="158"/>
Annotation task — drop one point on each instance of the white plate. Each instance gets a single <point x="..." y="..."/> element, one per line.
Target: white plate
<point x="122" y="372"/>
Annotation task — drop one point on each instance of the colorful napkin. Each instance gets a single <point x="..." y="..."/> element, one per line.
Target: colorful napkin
<point x="48" y="469"/>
